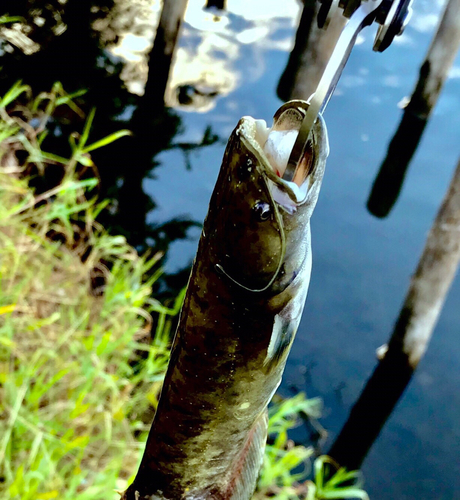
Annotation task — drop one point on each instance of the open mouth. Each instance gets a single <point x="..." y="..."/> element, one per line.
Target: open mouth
<point x="280" y="140"/>
<point x="276" y="144"/>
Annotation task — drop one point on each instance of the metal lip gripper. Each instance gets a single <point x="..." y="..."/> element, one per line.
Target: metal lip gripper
<point x="392" y="16"/>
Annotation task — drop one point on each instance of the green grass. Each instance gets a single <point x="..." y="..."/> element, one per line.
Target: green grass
<point x="73" y="390"/>
<point x="79" y="376"/>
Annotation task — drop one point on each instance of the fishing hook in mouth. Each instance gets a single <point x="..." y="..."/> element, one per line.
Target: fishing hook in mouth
<point x="304" y="163"/>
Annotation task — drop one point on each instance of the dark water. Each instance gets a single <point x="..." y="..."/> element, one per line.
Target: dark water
<point x="361" y="266"/>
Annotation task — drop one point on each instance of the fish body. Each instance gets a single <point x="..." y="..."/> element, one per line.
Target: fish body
<point x="243" y="304"/>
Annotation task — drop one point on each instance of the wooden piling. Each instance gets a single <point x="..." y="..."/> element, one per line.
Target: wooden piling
<point x="413" y="330"/>
<point x="162" y="54"/>
<point x="433" y="73"/>
<point x="312" y="50"/>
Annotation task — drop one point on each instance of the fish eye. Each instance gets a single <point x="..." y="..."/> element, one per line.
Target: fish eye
<point x="262" y="210"/>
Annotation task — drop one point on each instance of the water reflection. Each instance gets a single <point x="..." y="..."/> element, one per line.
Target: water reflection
<point x="216" y="4"/>
<point x="312" y="50"/>
<point x="73" y="40"/>
<point x="390" y="178"/>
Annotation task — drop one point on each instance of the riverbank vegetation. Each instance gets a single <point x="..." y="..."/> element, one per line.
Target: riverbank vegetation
<point x="83" y="343"/>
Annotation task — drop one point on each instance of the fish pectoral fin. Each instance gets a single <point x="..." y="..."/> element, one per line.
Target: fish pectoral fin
<point x="246" y="468"/>
<point x="282" y="336"/>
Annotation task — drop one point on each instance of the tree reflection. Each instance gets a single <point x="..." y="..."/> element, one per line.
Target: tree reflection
<point x="72" y="40"/>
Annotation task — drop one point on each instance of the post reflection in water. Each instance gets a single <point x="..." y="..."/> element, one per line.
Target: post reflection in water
<point x="389" y="181"/>
<point x="433" y="74"/>
<point x="312" y="50"/>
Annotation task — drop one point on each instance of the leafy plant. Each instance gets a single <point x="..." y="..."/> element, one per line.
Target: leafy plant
<point x="341" y="485"/>
<point x="284" y="464"/>
<point x="78" y="375"/>
<point x="6" y="19"/>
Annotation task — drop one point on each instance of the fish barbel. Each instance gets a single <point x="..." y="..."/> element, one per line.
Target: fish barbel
<point x="243" y="304"/>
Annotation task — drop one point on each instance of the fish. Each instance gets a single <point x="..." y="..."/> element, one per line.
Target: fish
<point x="241" y="311"/>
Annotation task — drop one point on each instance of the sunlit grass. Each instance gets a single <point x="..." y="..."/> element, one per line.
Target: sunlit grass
<point x="73" y="390"/>
<point x="279" y="477"/>
<point x="78" y="373"/>
<point x="330" y="481"/>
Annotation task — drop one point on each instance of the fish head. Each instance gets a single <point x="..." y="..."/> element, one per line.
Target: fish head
<point x="258" y="223"/>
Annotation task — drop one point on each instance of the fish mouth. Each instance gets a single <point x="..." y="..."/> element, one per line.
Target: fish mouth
<point x="273" y="146"/>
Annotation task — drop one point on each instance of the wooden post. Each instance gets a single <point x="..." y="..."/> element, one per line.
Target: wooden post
<point x="152" y="125"/>
<point x="433" y="74"/>
<point x="424" y="301"/>
<point x="312" y="50"/>
<point x="162" y="53"/>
